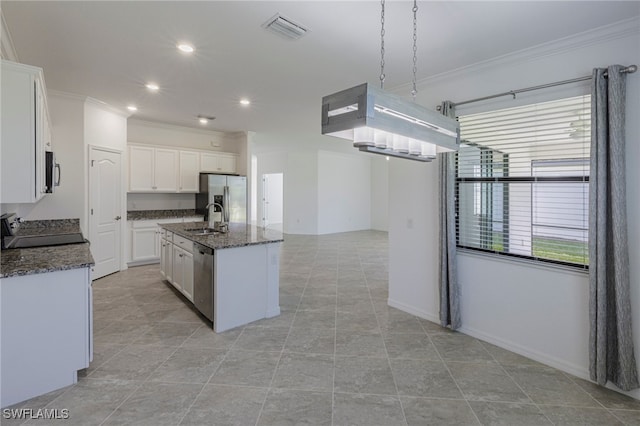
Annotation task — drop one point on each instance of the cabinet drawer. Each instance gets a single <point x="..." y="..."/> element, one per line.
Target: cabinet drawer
<point x="183" y="243"/>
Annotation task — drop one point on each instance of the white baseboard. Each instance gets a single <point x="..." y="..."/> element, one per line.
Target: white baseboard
<point x="273" y="312"/>
<point x="568" y="367"/>
<point x="414" y="311"/>
<point x="143" y="262"/>
<point x="571" y="368"/>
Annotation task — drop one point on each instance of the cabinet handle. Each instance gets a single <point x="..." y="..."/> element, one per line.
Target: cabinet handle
<point x="117" y="218"/>
<point x="180" y="255"/>
<point x="154" y="187"/>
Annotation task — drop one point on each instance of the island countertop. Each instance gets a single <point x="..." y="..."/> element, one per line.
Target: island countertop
<point x="239" y="235"/>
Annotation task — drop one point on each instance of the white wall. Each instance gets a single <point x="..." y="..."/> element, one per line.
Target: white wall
<point x="344" y="192"/>
<point x="301" y="209"/>
<point x="380" y="193"/>
<point x="327" y="184"/>
<point x="103" y="126"/>
<point x="540" y="312"/>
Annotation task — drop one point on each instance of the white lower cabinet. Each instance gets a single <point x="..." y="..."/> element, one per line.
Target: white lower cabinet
<point x="145" y="239"/>
<point x="182" y="272"/>
<point x="166" y="256"/>
<point x="46" y="332"/>
<point x="144" y="243"/>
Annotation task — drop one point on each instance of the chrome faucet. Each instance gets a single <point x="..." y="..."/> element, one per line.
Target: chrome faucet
<point x="212" y="223"/>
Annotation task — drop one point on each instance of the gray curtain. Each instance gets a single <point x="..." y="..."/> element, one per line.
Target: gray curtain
<point x="449" y="290"/>
<point x="611" y="356"/>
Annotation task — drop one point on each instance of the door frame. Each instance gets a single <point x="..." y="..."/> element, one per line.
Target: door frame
<point x="123" y="197"/>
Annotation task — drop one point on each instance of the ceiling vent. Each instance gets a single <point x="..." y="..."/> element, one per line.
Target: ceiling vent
<point x="284" y="27"/>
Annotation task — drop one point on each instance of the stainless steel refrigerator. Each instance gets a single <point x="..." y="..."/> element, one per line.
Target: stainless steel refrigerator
<point x="230" y="191"/>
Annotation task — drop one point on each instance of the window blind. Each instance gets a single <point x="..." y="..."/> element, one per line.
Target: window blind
<point x="522" y="181"/>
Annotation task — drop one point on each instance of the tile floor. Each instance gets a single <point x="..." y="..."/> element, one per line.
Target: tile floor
<point x="337" y="355"/>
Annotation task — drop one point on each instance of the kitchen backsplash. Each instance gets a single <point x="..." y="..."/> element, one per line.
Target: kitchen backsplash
<point x="160" y="201"/>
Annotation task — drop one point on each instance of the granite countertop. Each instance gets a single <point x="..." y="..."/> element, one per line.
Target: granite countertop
<point x="49" y="227"/>
<point x="160" y="214"/>
<point x="38" y="260"/>
<point x="239" y="235"/>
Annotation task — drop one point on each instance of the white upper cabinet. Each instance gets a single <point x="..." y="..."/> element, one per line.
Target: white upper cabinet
<point x="217" y="162"/>
<point x="189" y="171"/>
<point x="166" y="170"/>
<point x="152" y="169"/>
<point x="25" y="133"/>
<point x="227" y="163"/>
<point x="159" y="169"/>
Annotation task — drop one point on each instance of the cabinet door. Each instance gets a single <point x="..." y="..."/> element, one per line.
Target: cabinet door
<point x="189" y="171"/>
<point x="178" y="267"/>
<point x="143" y="244"/>
<point x="166" y="260"/>
<point x="22" y="161"/>
<point x="166" y="170"/>
<point x="227" y="163"/>
<point x="163" y="259"/>
<point x="209" y="162"/>
<point x="187" y="273"/>
<point x="41" y="134"/>
<point x="141" y="165"/>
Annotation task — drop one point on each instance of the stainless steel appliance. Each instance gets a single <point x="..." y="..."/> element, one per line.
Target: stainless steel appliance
<point x="51" y="167"/>
<point x="230" y="191"/>
<point x="203" y="279"/>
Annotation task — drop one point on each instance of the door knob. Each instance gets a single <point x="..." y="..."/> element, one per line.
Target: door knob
<point x="117" y="218"/>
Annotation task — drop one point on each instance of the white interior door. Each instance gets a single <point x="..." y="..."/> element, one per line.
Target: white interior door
<point x="272" y="199"/>
<point x="105" y="210"/>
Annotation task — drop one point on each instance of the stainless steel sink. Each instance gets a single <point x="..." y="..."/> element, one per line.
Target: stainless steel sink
<point x="202" y="231"/>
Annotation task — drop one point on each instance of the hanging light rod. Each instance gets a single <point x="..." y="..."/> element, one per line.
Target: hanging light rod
<point x="628" y="70"/>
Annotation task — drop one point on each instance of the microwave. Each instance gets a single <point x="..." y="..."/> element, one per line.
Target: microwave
<point x="52" y="172"/>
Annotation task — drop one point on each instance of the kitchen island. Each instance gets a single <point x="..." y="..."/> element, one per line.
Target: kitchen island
<point x="232" y="278"/>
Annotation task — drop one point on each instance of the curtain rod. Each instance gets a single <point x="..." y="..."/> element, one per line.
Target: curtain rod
<point x="630" y="69"/>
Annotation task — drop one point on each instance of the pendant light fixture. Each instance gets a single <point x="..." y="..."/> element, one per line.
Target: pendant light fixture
<point x="382" y="123"/>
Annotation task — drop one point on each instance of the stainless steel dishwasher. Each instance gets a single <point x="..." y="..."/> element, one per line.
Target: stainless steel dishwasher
<point x="203" y="279"/>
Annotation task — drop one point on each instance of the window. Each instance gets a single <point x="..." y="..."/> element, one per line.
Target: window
<point x="522" y="181"/>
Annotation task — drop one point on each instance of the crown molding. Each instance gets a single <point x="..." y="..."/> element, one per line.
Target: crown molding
<point x="66" y="95"/>
<point x="106" y="106"/>
<point x="176" y="127"/>
<point x="8" y="48"/>
<point x="606" y="33"/>
<point x="88" y="100"/>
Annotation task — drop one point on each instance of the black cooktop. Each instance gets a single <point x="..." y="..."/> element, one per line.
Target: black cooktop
<point x="29" y="241"/>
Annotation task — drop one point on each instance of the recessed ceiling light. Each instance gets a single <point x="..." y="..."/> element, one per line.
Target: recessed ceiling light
<point x="152" y="86"/>
<point x="186" y="48"/>
<point x="132" y="108"/>
<point x="205" y="119"/>
<point x="245" y="102"/>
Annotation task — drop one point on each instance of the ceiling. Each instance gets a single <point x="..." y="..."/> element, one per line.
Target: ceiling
<point x="109" y="50"/>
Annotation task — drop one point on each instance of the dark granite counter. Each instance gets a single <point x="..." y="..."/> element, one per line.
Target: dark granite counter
<point x="160" y="214"/>
<point x="239" y="235"/>
<point x="39" y="260"/>
<point x="49" y="227"/>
